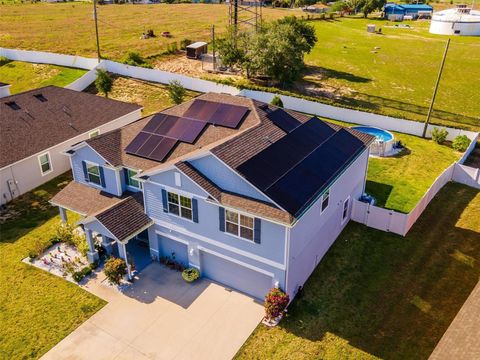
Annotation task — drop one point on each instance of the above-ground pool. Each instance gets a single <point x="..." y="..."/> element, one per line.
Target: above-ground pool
<point x="383" y="145"/>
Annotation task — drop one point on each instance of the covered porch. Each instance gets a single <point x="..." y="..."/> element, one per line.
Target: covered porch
<point x="116" y="225"/>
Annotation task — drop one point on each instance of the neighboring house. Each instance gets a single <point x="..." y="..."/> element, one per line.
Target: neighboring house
<point x="394" y="11"/>
<point x="251" y="194"/>
<point x="37" y="125"/>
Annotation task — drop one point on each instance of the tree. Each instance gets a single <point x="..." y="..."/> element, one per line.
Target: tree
<point x="176" y="91"/>
<point x="104" y="82"/>
<point x="277" y="101"/>
<point x="371" y="5"/>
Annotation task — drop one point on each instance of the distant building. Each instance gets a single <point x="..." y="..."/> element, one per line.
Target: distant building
<point x="394" y="11"/>
<point x="317" y="8"/>
<point x="459" y="21"/>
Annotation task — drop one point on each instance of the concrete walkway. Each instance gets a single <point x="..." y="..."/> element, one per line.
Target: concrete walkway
<point x="162" y="317"/>
<point x="461" y="341"/>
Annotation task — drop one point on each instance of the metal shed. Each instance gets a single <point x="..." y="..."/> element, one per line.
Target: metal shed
<point x="196" y="50"/>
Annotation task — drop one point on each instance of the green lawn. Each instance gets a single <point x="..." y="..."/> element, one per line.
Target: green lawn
<point x="379" y="295"/>
<point x="394" y="73"/>
<point x="68" y="28"/>
<point x="26" y="76"/>
<point x="37" y="309"/>
<point x="400" y="181"/>
<point x="152" y="96"/>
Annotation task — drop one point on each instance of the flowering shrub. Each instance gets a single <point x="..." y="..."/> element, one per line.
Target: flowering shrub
<point x="115" y="269"/>
<point x="275" y="303"/>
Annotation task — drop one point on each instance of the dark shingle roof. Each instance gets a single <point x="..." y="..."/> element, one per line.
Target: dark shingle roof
<point x="38" y="125"/>
<point x="125" y="218"/>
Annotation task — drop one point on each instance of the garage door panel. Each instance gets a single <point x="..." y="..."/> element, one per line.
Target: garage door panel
<point x="235" y="276"/>
<point x="168" y="246"/>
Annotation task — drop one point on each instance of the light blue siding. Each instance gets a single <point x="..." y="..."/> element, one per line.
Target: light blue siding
<point x="272" y="244"/>
<point x="205" y="236"/>
<point x="168" y="247"/>
<point x="86" y="153"/>
<point x="226" y="178"/>
<point x="314" y="233"/>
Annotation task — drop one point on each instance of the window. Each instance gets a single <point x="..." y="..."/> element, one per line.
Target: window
<point x="179" y="205"/>
<point x="45" y="166"/>
<point x="239" y="224"/>
<point x="130" y="181"/>
<point x="345" y="209"/>
<point x="325" y="198"/>
<point x="94" y="133"/>
<point x="93" y="174"/>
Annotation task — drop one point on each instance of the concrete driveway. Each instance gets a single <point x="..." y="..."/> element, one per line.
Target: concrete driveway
<point x="162" y="317"/>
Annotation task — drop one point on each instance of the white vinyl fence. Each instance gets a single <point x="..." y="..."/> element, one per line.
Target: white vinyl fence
<point x="373" y="216"/>
<point x="164" y="77"/>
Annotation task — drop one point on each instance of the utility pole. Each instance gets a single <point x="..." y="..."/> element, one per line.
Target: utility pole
<point x="213" y="49"/>
<point x="96" y="28"/>
<point x="436" y="88"/>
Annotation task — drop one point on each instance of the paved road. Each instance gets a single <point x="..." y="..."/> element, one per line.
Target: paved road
<point x="461" y="341"/>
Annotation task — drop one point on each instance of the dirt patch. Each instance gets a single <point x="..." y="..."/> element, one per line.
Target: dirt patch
<point x="473" y="159"/>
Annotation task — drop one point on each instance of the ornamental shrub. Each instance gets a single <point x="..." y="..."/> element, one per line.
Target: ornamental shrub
<point x="461" y="143"/>
<point x="190" y="274"/>
<point x="115" y="269"/>
<point x="176" y="92"/>
<point x="277" y="101"/>
<point x="103" y="82"/>
<point x="275" y="303"/>
<point x="439" y="135"/>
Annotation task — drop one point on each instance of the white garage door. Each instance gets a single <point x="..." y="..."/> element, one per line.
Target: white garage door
<point x="235" y="276"/>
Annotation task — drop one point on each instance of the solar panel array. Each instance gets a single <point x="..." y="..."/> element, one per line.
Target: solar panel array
<point x="283" y="120"/>
<point x="162" y="133"/>
<point x="307" y="160"/>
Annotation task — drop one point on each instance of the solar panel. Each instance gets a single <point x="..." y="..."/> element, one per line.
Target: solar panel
<point x="137" y="142"/>
<point x="163" y="131"/>
<point x="228" y="115"/>
<point x="269" y="165"/>
<point x="283" y="120"/>
<point x="315" y="172"/>
<point x="201" y="110"/>
<point x="162" y="149"/>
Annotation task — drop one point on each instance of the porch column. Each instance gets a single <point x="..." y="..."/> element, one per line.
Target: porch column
<point x="63" y="214"/>
<point x="92" y="254"/>
<point x="122" y="251"/>
<point x="107" y="244"/>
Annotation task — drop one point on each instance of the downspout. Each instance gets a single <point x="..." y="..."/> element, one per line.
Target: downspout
<point x="287" y="257"/>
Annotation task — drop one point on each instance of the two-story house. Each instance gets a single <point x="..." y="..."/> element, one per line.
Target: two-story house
<point x="250" y="194"/>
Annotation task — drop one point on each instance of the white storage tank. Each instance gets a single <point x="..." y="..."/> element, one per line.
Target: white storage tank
<point x="459" y="21"/>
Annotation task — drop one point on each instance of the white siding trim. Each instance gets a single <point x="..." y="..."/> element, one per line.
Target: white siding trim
<point x="241" y="263"/>
<point x="217" y="244"/>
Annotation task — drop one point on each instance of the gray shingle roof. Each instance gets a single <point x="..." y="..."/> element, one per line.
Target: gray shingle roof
<point x="38" y="125"/>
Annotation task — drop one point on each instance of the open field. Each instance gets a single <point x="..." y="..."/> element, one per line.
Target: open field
<point x="25" y="76"/>
<point x="120" y="26"/>
<point x="37" y="309"/>
<point x="152" y="96"/>
<point x="378" y="295"/>
<point x="394" y="73"/>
